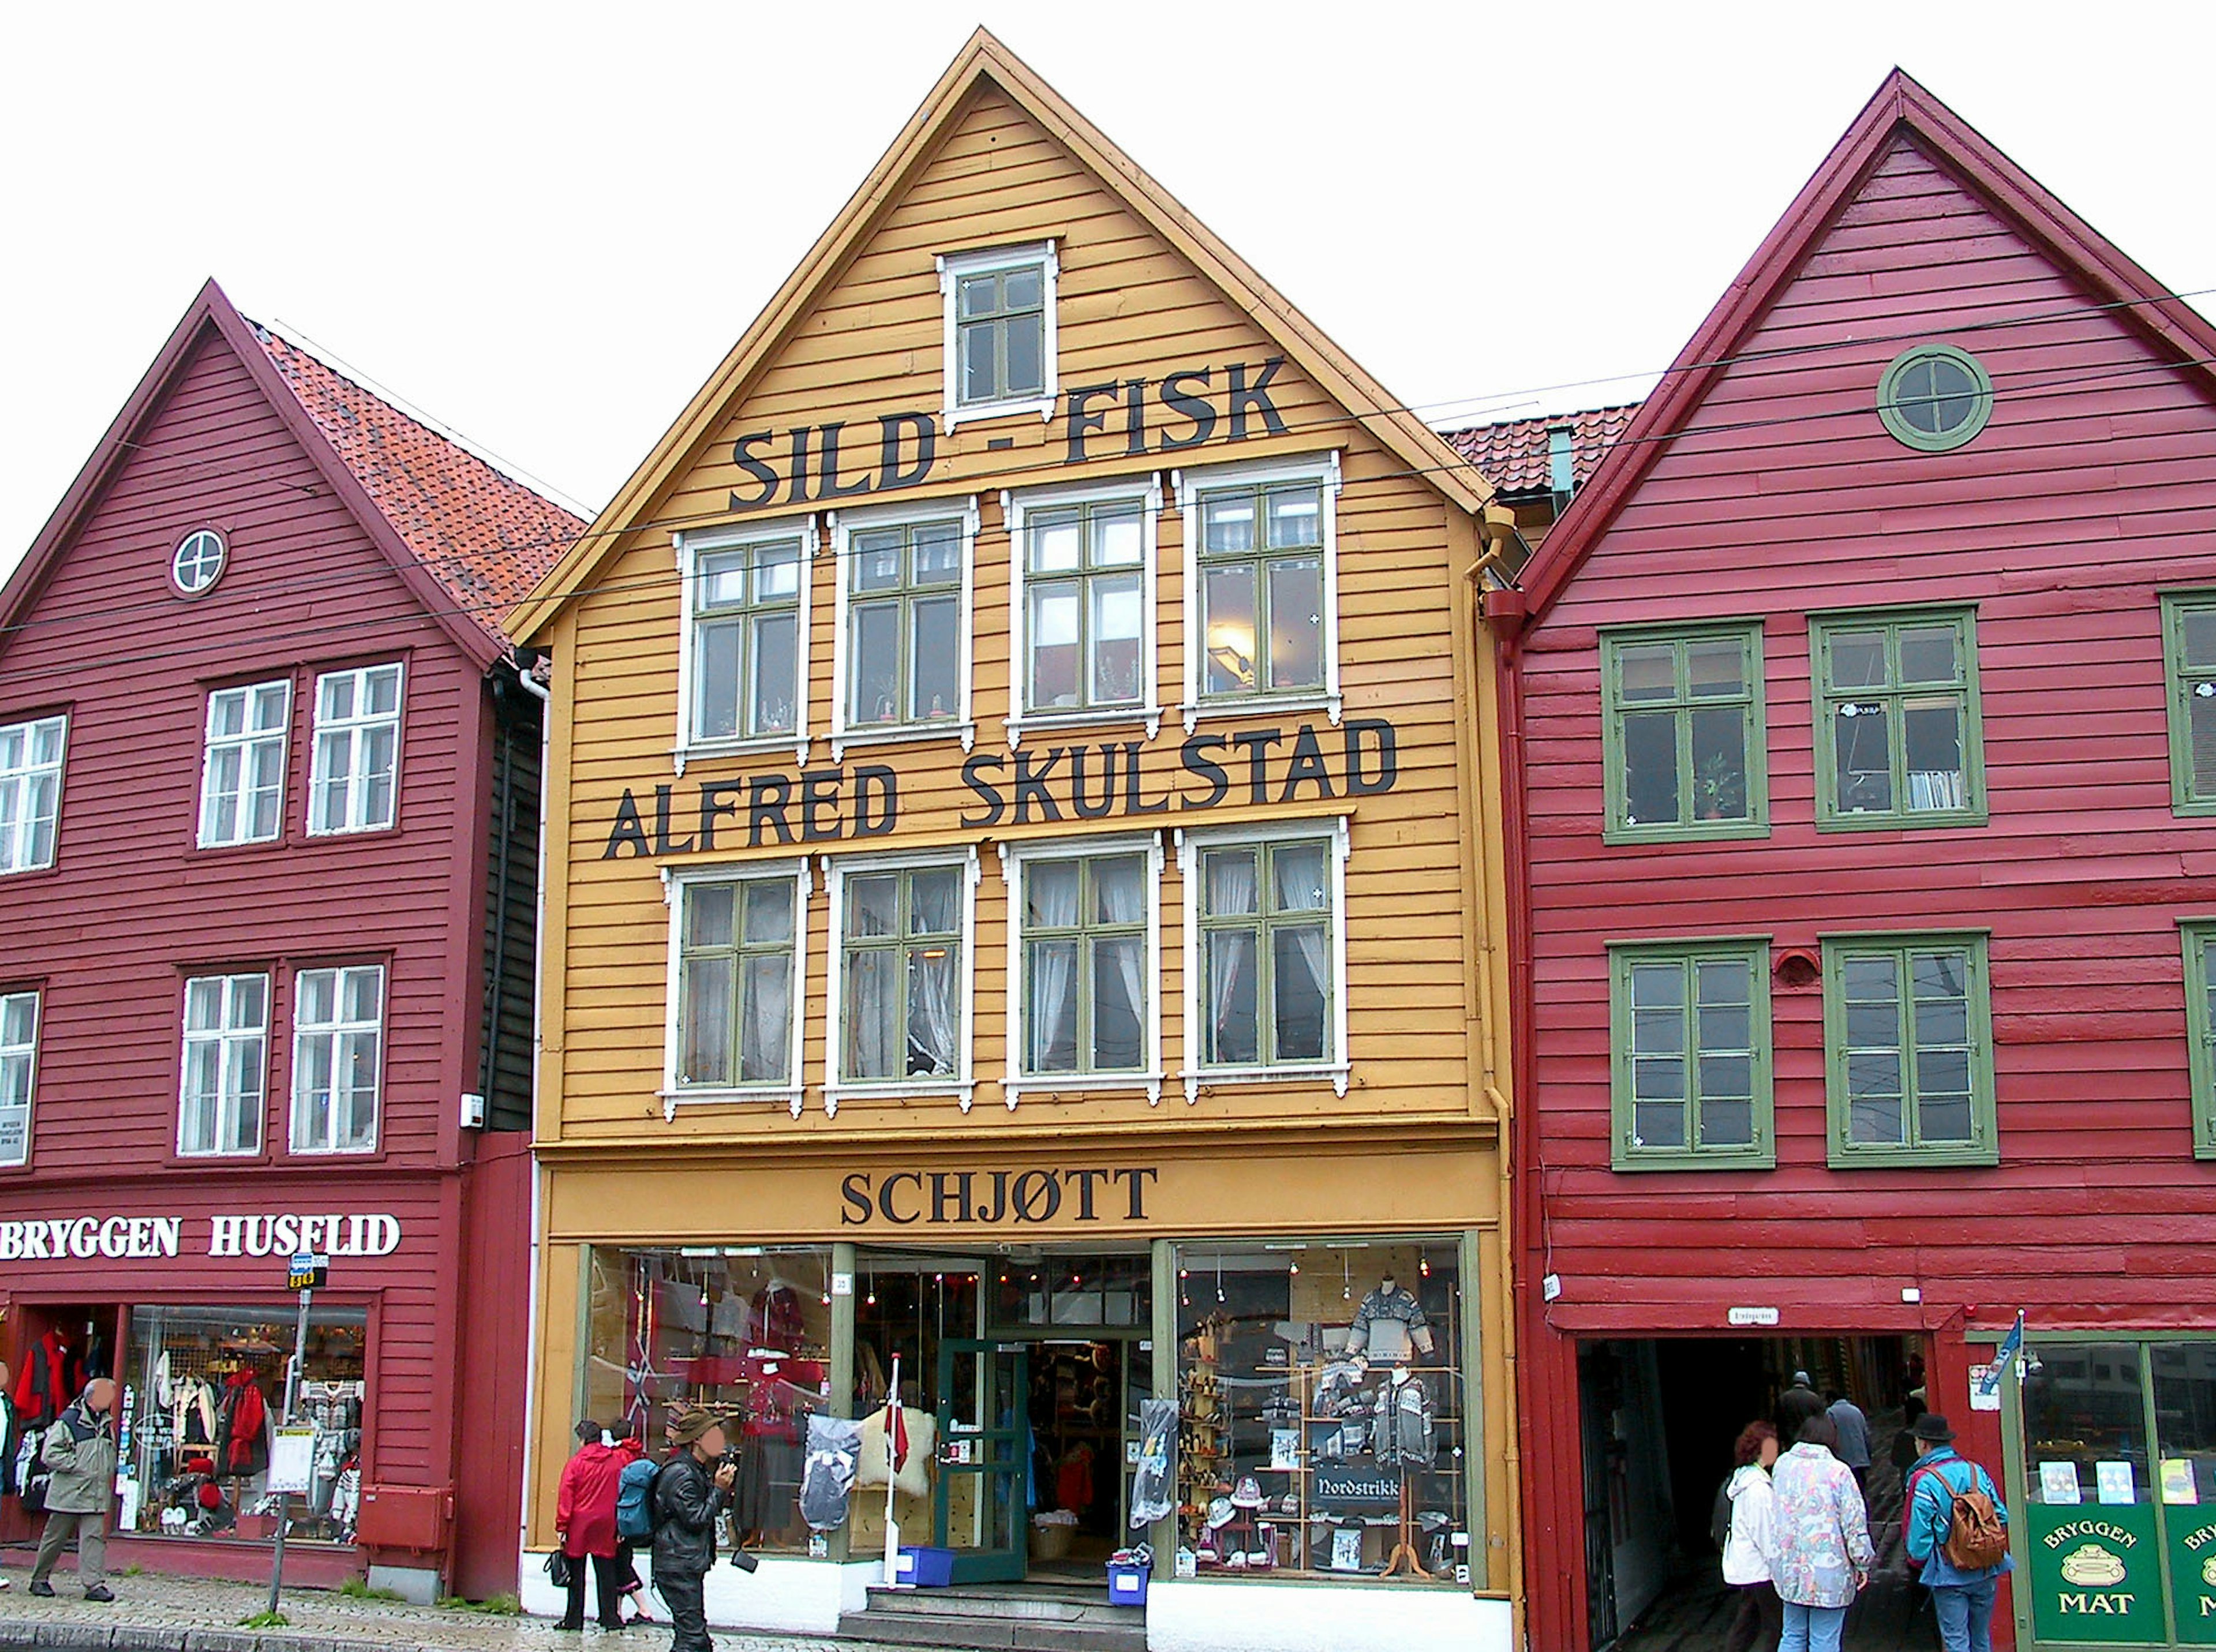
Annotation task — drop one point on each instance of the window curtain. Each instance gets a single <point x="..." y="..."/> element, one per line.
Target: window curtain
<point x="764" y="1033"/>
<point x="1123" y="900"/>
<point x="933" y="1012"/>
<point x="869" y="1014"/>
<point x="1051" y="893"/>
<point x="1300" y="879"/>
<point x="1230" y="893"/>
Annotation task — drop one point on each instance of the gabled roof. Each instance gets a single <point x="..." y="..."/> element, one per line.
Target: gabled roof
<point x="1515" y="454"/>
<point x="984" y="59"/>
<point x="1901" y="107"/>
<point x="465" y="538"/>
<point x="485" y="536"/>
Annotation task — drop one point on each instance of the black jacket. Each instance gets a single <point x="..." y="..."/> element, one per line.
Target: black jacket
<point x="686" y="1505"/>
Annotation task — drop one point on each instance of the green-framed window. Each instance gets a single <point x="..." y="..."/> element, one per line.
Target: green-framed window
<point x="1683" y="727"/>
<point x="1086" y="967"/>
<point x="904" y="626"/>
<point x="1898" y="739"/>
<point x="1909" y="1050"/>
<point x="1691" y="1054"/>
<point x="2199" y="935"/>
<point x="2188" y="652"/>
<point x="903" y="1006"/>
<point x="1933" y="397"/>
<point x="1262" y="589"/>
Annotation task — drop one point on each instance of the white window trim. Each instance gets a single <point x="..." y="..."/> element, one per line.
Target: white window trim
<point x="283" y="735"/>
<point x="964" y="1084"/>
<point x="30" y="1052"/>
<point x="1189" y="485"/>
<point x="688" y="547"/>
<point x="844" y="526"/>
<point x="383" y="1060"/>
<point x="674" y="883"/>
<point x="60" y="767"/>
<point x="1190" y="844"/>
<point x="1148" y="491"/>
<point x="356" y="791"/>
<point x="954" y="266"/>
<point x="1014" y="858"/>
<point x="221" y="1038"/>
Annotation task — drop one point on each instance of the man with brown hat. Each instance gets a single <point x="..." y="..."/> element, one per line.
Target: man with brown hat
<point x="1961" y="1599"/>
<point x="688" y="1497"/>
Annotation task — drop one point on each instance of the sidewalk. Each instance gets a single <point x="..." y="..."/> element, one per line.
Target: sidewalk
<point x="188" y="1614"/>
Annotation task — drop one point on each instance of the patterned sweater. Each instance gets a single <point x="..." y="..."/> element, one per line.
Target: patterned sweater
<point x="1822" y="1530"/>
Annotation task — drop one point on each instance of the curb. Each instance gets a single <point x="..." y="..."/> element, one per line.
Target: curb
<point x="64" y="1635"/>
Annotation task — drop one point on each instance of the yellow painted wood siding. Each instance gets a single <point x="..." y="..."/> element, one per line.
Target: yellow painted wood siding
<point x="1128" y="309"/>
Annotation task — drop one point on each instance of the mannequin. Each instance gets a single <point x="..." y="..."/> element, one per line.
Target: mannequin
<point x="1389" y="1324"/>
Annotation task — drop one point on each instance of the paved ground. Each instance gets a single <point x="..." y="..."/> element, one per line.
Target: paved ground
<point x="174" y="1614"/>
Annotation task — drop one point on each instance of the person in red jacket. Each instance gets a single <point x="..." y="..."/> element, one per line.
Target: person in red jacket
<point x="585" y="1512"/>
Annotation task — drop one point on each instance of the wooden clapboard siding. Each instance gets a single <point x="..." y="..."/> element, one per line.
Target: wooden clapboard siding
<point x="870" y="342"/>
<point x="1774" y="493"/>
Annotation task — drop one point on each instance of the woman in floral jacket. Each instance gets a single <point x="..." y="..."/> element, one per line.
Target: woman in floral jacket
<point x="1823" y="1555"/>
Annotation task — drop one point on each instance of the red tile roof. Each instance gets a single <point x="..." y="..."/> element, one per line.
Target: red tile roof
<point x="484" y="537"/>
<point x="1512" y="455"/>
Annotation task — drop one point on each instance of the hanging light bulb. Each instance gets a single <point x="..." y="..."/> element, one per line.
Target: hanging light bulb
<point x="1423" y="1267"/>
<point x="1219" y="1277"/>
<point x="1293" y="1269"/>
<point x="1346" y="1278"/>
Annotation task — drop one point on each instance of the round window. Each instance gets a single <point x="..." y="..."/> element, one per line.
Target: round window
<point x="198" y="561"/>
<point x="1935" y="397"/>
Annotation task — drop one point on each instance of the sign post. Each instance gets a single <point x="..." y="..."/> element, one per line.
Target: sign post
<point x="289" y="1465"/>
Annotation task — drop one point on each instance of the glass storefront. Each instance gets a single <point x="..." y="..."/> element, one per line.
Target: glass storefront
<point x="744" y="1330"/>
<point x="1320" y="1387"/>
<point x="203" y="1387"/>
<point x="2118" y="1455"/>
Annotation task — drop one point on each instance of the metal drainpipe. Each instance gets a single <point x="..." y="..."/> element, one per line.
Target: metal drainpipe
<point x="532" y="1273"/>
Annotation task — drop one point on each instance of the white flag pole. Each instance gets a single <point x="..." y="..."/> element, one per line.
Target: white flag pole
<point x="892" y="1468"/>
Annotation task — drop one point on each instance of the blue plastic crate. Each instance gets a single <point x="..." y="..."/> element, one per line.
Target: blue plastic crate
<point x="1127" y="1584"/>
<point x="926" y="1567"/>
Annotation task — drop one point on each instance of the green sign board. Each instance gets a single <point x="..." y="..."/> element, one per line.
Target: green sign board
<point x="2193" y="1573"/>
<point x="2096" y="1574"/>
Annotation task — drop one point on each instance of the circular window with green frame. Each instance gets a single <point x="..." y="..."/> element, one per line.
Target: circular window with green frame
<point x="1935" y="397"/>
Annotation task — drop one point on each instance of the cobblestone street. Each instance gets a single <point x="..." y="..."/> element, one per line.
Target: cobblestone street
<point x="180" y="1614"/>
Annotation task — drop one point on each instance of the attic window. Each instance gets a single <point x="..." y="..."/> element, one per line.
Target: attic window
<point x="1000" y="331"/>
<point x="198" y="561"/>
<point x="1935" y="397"/>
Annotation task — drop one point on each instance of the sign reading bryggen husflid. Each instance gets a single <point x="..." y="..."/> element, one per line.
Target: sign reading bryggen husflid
<point x="1019" y="789"/>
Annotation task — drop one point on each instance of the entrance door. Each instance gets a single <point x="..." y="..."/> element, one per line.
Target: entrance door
<point x="979" y="1506"/>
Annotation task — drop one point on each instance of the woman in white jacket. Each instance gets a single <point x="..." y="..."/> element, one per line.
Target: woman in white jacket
<point x="1752" y="1543"/>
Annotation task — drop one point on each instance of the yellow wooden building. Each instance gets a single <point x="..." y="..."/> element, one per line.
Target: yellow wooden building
<point x="1024" y="906"/>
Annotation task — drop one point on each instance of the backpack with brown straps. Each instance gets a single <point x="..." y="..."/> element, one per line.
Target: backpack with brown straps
<point x="1977" y="1538"/>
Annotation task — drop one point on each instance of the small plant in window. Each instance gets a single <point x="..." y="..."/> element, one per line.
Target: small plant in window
<point x="1722" y="788"/>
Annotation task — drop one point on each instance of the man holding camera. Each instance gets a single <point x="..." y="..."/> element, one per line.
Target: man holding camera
<point x="691" y="1491"/>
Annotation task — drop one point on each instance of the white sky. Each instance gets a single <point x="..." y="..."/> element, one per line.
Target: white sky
<point x="545" y="223"/>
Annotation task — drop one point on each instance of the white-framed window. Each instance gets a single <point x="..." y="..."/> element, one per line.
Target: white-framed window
<point x="226" y="1066"/>
<point x="19" y="1071"/>
<point x="738" y="948"/>
<point x="242" y="770"/>
<point x="198" y="561"/>
<point x="998" y="310"/>
<point x="338" y="1058"/>
<point x="354" y="785"/>
<point x="1266" y="953"/>
<point x="1081" y="606"/>
<point x="30" y="792"/>
<point x="1084" y="946"/>
<point x="742" y="668"/>
<point x="1261" y="580"/>
<point x="901" y="984"/>
<point x="902" y="652"/>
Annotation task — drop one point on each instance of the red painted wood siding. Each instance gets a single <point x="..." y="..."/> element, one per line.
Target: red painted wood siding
<point x="131" y="907"/>
<point x="2091" y="488"/>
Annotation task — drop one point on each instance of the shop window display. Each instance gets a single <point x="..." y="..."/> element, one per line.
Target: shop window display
<point x="1320" y="1391"/>
<point x="203" y="1389"/>
<point x="742" y="1330"/>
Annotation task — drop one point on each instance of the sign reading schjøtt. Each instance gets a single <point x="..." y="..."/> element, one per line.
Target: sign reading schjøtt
<point x="88" y="1239"/>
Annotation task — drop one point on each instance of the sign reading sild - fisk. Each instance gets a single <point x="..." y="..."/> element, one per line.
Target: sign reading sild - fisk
<point x="818" y="464"/>
<point x="1060" y="782"/>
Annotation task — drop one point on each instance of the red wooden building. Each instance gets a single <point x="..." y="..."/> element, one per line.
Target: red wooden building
<point x="1864" y="734"/>
<point x="269" y="819"/>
